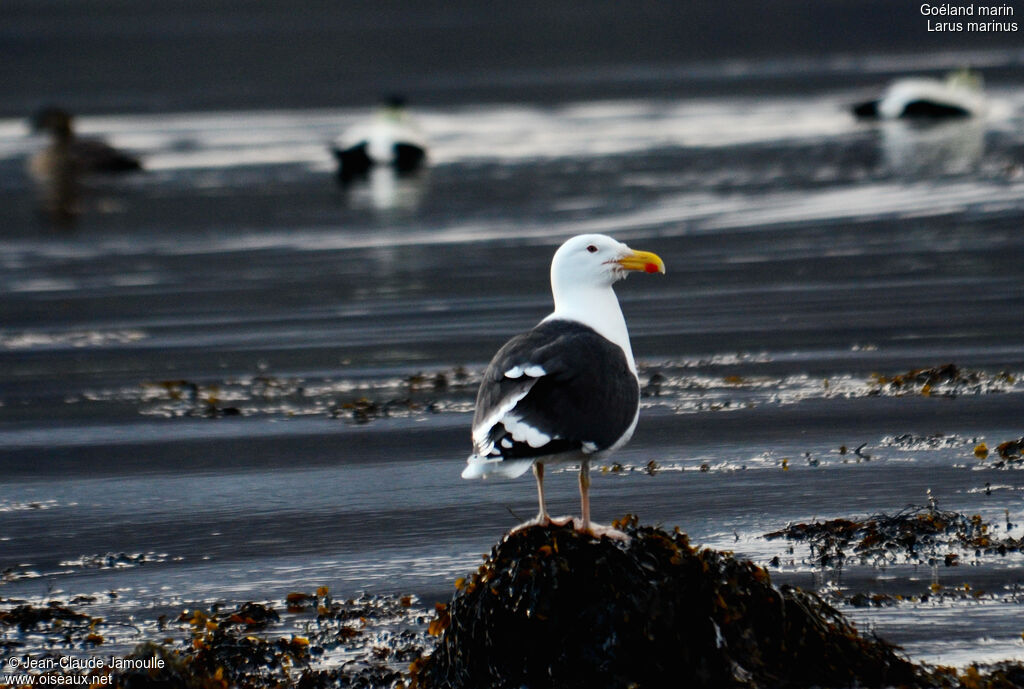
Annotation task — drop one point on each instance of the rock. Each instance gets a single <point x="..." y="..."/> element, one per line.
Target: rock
<point x="556" y="609"/>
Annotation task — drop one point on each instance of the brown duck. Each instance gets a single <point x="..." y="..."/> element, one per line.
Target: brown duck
<point x="58" y="168"/>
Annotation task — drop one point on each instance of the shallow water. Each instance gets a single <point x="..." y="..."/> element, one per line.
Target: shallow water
<point x="250" y="381"/>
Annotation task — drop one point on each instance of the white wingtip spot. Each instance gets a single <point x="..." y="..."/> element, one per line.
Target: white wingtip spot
<point x="482" y="430"/>
<point x="523" y="432"/>
<point x="532" y="371"/>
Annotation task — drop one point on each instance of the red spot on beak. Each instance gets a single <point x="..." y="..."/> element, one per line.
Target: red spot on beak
<point x="651" y="268"/>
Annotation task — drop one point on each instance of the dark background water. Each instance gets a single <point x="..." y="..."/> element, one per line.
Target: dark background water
<point x="184" y="55"/>
<point x="250" y="380"/>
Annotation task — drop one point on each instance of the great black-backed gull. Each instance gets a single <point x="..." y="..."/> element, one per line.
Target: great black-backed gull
<point x="391" y="139"/>
<point x="567" y="390"/>
<point x="959" y="95"/>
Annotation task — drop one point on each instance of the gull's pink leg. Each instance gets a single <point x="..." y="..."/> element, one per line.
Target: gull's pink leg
<point x="585" y="494"/>
<point x="542" y="516"/>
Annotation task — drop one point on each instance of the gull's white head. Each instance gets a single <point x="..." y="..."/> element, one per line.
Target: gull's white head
<point x="590" y="261"/>
<point x="582" y="274"/>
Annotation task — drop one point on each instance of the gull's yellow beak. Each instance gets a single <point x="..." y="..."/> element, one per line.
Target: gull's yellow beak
<point x="643" y="261"/>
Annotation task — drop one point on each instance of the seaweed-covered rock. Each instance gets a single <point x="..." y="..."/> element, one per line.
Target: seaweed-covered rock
<point x="553" y="608"/>
<point x="919" y="534"/>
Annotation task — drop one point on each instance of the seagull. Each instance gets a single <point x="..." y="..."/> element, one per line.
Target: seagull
<point x="567" y="390"/>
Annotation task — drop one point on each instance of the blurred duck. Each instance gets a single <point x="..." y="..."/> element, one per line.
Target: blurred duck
<point x="57" y="169"/>
<point x="84" y="155"/>
<point x="960" y="95"/>
<point x="391" y="139"/>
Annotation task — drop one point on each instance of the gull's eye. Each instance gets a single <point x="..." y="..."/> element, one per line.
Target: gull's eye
<point x="592" y="249"/>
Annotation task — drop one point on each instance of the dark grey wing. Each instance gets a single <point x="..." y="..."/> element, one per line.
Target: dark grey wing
<point x="94" y="155"/>
<point x="353" y="162"/>
<point x="929" y="109"/>
<point x="409" y="156"/>
<point x="867" y="110"/>
<point x="557" y="388"/>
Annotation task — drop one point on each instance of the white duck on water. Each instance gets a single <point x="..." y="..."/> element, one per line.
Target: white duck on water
<point x="959" y="95"/>
<point x="390" y="139"/>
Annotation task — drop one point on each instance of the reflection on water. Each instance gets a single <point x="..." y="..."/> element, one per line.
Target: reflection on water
<point x="933" y="149"/>
<point x="385" y="189"/>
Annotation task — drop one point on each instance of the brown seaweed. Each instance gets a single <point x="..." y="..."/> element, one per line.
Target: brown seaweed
<point x="916" y="534"/>
<point x="947" y="380"/>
